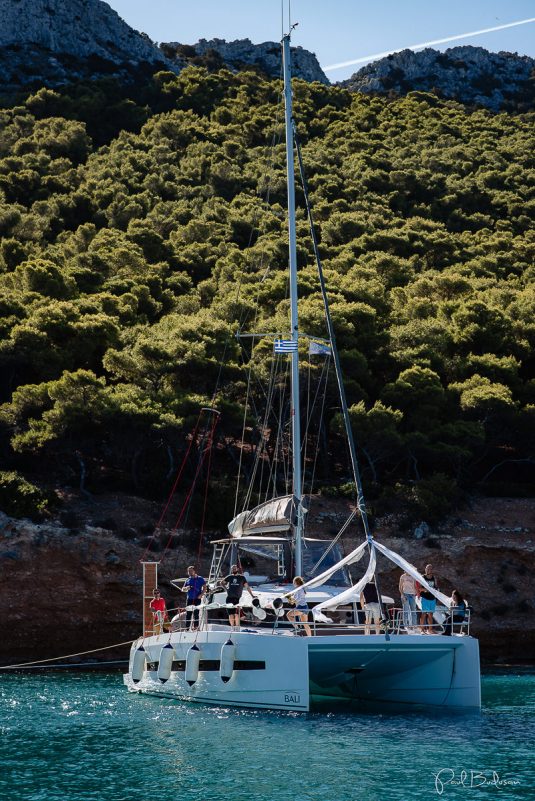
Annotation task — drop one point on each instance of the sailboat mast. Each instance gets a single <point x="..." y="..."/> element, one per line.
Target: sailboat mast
<point x="294" y="321"/>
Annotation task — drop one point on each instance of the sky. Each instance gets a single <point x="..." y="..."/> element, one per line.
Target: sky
<point x="337" y="30"/>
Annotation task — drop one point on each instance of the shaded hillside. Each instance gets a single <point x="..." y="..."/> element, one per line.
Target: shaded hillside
<point x="124" y="268"/>
<point x="90" y="579"/>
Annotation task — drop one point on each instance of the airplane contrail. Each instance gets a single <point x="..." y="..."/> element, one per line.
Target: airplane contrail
<point x="375" y="56"/>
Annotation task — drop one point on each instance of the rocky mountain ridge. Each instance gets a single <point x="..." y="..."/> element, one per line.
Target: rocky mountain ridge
<point x="53" y="42"/>
<point x="242" y="52"/>
<point x="80" y="28"/>
<point x="471" y="75"/>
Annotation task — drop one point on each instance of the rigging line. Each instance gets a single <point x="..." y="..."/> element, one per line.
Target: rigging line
<point x="285" y="453"/>
<point x="277" y="446"/>
<point x="275" y="140"/>
<point x="304" y="441"/>
<point x="256" y="216"/>
<point x="334" y="541"/>
<point x="267" y="430"/>
<point x="332" y="337"/>
<point x="310" y="408"/>
<point x="57" y="666"/>
<point x="202" y="457"/>
<point x="208" y="471"/>
<point x="260" y="445"/>
<point x="173" y="490"/>
<point x="324" y="376"/>
<point x="289" y="16"/>
<point x="66" y="656"/>
<point x="240" y="461"/>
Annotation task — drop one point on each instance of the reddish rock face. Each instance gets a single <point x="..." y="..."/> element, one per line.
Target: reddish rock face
<point x="66" y="590"/>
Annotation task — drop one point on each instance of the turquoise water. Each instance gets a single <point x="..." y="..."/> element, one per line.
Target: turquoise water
<point x="81" y="736"/>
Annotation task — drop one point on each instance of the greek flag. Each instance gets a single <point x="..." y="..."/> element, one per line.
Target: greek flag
<point x="285" y="346"/>
<point x="319" y="349"/>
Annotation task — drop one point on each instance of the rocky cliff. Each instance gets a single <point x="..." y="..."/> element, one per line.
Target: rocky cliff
<point x="80" y="28"/>
<point x="468" y="74"/>
<point x="53" y="42"/>
<point x="75" y="584"/>
<point x="242" y="52"/>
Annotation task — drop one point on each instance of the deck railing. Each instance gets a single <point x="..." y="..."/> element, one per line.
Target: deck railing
<point x="453" y="621"/>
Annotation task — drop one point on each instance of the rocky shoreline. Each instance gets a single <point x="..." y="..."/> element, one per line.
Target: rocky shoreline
<point x="69" y="589"/>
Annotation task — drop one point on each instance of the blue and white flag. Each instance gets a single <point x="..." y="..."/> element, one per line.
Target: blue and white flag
<point x="319" y="349"/>
<point x="285" y="346"/>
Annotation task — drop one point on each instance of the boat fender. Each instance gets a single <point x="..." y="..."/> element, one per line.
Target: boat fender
<point x="256" y="602"/>
<point x="138" y="664"/>
<point x="166" y="662"/>
<point x="193" y="660"/>
<point x="228" y="655"/>
<point x="278" y="606"/>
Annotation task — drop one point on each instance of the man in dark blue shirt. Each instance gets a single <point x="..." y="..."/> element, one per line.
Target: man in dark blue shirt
<point x="194" y="586"/>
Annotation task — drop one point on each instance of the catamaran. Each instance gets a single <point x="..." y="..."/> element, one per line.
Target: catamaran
<point x="262" y="663"/>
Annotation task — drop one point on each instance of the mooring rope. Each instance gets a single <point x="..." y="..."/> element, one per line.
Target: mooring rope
<point x="66" y="656"/>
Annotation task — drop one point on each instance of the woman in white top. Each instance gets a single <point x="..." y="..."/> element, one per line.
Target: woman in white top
<point x="300" y="613"/>
<point x="407" y="591"/>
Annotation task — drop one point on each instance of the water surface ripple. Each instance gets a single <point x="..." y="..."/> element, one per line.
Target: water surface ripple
<point x="82" y="737"/>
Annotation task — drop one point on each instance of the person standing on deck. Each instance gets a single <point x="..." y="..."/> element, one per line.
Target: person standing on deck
<point x="194" y="587"/>
<point x="407" y="591"/>
<point x="300" y="613"/>
<point x="235" y="583"/>
<point x="427" y="600"/>
<point x="159" y="611"/>
<point x="369" y="600"/>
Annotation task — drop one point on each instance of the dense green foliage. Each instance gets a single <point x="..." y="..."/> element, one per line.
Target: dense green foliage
<point x="134" y="233"/>
<point x="20" y="498"/>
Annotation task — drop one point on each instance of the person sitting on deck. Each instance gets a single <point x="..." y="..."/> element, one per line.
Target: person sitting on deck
<point x="159" y="611"/>
<point x="235" y="583"/>
<point x="458" y="609"/>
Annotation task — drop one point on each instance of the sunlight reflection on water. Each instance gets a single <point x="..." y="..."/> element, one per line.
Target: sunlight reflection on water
<point x="79" y="737"/>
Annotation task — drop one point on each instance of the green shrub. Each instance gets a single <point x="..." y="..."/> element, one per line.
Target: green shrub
<point x="19" y="498"/>
<point x="429" y="499"/>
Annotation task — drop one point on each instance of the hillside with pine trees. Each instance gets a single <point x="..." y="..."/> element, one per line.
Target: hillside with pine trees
<point x="139" y="223"/>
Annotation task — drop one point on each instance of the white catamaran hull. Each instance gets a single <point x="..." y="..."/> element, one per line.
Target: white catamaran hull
<point x="280" y="671"/>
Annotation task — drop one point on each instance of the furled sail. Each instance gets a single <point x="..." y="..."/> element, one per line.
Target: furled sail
<point x="350" y="559"/>
<point x="352" y="594"/>
<point x="275" y="515"/>
<point x="411" y="570"/>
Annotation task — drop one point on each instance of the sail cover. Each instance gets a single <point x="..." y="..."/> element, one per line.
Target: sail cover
<point x="352" y="594"/>
<point x="350" y="559"/>
<point x="349" y="596"/>
<point x="275" y="515"/>
<point x="411" y="570"/>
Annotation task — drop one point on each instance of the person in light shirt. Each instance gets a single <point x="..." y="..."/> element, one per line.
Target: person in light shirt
<point x="407" y="591"/>
<point x="300" y="613"/>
